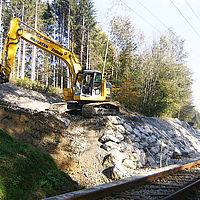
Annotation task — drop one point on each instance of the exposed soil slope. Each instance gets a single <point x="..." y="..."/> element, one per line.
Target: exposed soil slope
<point x="24" y="113"/>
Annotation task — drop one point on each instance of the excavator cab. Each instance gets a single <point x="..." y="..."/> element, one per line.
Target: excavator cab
<point x="88" y="84"/>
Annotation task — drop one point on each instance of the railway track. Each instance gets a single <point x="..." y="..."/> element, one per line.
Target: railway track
<point x="173" y="186"/>
<point x="173" y="182"/>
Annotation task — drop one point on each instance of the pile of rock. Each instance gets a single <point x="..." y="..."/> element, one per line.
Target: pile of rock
<point x="133" y="142"/>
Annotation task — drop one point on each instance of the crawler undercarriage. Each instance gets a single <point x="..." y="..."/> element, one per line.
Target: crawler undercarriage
<point x="86" y="109"/>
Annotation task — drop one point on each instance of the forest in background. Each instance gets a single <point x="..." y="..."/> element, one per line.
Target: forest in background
<point x="153" y="80"/>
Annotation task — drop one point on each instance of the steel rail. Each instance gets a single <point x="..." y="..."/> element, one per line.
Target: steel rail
<point x="182" y="193"/>
<point x="104" y="190"/>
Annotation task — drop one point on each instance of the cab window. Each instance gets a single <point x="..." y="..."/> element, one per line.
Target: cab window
<point x="97" y="84"/>
<point x="78" y="84"/>
<point x="88" y="83"/>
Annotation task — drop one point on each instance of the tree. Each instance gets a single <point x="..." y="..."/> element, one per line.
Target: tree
<point x="1" y="28"/>
<point x="73" y="19"/>
<point x="123" y="38"/>
<point x="167" y="83"/>
<point x="83" y="23"/>
<point x="124" y="58"/>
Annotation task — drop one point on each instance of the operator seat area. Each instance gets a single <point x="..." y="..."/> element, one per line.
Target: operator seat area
<point x="89" y="83"/>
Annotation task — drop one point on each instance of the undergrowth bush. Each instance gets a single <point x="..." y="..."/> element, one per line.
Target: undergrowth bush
<point x="27" y="83"/>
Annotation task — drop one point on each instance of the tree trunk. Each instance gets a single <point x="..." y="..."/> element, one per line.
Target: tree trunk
<point x="1" y="35"/>
<point x="87" y="59"/>
<point x="104" y="65"/>
<point x="68" y="27"/>
<point x="54" y="60"/>
<point x="54" y="72"/>
<point x="34" y="50"/>
<point x="61" y="75"/>
<point x="61" y="62"/>
<point x="20" y="52"/>
<point x="19" y="59"/>
<point x="90" y="50"/>
<point x="82" y="41"/>
<point x="68" y="44"/>
<point x="23" y="59"/>
<point x="57" y="76"/>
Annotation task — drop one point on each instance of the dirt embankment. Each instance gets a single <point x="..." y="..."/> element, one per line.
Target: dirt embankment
<point x="96" y="150"/>
<point x="74" y="149"/>
<point x="71" y="140"/>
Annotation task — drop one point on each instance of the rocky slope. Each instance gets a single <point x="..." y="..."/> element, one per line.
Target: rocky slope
<point x="96" y="150"/>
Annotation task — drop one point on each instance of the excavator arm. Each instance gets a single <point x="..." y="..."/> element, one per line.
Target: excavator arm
<point x="39" y="40"/>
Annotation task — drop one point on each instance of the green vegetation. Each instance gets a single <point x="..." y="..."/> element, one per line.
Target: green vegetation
<point x="27" y="173"/>
<point x="37" y="86"/>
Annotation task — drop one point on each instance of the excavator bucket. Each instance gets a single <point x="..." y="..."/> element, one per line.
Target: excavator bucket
<point x="3" y="78"/>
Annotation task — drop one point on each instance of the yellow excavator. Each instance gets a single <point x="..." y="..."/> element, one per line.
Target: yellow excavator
<point x="90" y="91"/>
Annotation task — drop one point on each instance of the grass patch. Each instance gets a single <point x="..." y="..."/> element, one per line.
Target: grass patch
<point x="27" y="173"/>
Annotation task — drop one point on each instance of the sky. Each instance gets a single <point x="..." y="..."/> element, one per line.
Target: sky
<point x="154" y="17"/>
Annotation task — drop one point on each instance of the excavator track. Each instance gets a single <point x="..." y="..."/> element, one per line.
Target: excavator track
<point x="99" y="109"/>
